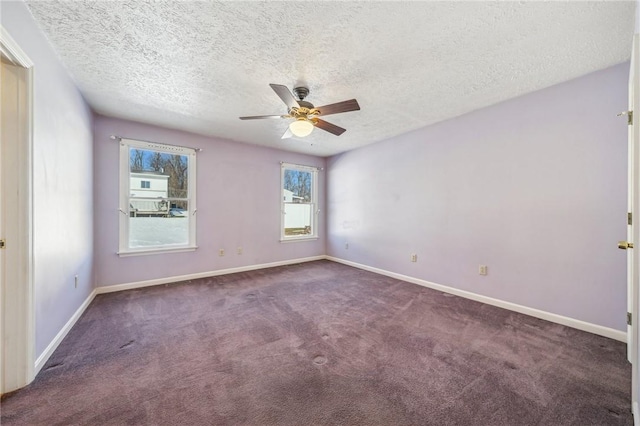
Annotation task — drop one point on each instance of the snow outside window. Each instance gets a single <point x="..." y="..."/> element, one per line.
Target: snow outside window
<point x="299" y="202"/>
<point x="157" y="198"/>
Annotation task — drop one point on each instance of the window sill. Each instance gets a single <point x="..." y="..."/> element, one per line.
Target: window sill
<point x="297" y="239"/>
<point x="146" y="252"/>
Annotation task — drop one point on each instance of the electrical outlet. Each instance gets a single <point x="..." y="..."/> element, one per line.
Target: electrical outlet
<point x="239" y="251"/>
<point x="346" y="246"/>
<point x="482" y="269"/>
<point x="221" y="252"/>
<point x="76" y="281"/>
<point x="414" y="257"/>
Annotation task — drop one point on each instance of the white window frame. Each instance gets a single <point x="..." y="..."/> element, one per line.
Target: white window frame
<point x="314" y="203"/>
<point x="125" y="191"/>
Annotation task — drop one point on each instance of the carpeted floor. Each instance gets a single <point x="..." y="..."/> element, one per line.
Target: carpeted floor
<point x="320" y="344"/>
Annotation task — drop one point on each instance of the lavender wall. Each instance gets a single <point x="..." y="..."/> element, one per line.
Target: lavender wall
<point x="238" y="196"/>
<point x="62" y="182"/>
<point x="534" y="187"/>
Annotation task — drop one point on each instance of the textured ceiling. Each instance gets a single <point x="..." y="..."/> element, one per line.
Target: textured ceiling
<point x="198" y="66"/>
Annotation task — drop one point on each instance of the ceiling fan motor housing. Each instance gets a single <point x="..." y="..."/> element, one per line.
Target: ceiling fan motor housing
<point x="305" y="107"/>
<point x="305" y="104"/>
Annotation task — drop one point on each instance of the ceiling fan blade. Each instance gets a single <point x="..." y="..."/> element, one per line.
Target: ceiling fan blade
<point x="285" y="94"/>
<point x="287" y="134"/>
<point x="344" y="106"/>
<point x="331" y="128"/>
<point x="258" y="117"/>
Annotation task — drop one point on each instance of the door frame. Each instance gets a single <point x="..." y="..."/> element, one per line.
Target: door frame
<point x="17" y="309"/>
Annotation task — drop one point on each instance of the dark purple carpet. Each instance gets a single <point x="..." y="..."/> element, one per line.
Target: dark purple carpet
<point x="320" y="344"/>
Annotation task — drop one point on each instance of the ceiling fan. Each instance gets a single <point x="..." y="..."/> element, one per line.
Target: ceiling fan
<point x="305" y="114"/>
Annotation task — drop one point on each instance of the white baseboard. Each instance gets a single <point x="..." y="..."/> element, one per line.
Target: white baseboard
<point x="178" y="278"/>
<point x="44" y="356"/>
<point x="559" y="319"/>
<point x="636" y="415"/>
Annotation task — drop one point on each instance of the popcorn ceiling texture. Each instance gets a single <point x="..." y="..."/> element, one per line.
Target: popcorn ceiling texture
<point x="198" y="66"/>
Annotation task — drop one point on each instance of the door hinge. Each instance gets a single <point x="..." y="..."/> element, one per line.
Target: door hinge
<point x="2" y="244"/>
<point x="628" y="318"/>
<point x="629" y="115"/>
<point x="629" y="218"/>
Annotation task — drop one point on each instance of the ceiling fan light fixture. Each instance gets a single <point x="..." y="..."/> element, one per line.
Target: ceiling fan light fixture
<point x="301" y="127"/>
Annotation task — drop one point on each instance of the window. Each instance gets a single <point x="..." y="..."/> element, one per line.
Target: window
<point x="299" y="202"/>
<point x="157" y="198"/>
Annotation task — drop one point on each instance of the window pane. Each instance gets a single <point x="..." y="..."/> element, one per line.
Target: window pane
<point x="159" y="228"/>
<point x="158" y="173"/>
<point x="155" y="178"/>
<point x="297" y="219"/>
<point x="156" y="192"/>
<point x="297" y="186"/>
<point x="298" y="201"/>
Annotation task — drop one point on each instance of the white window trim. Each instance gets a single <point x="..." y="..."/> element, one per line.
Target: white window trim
<point x="125" y="190"/>
<point x="314" y="203"/>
